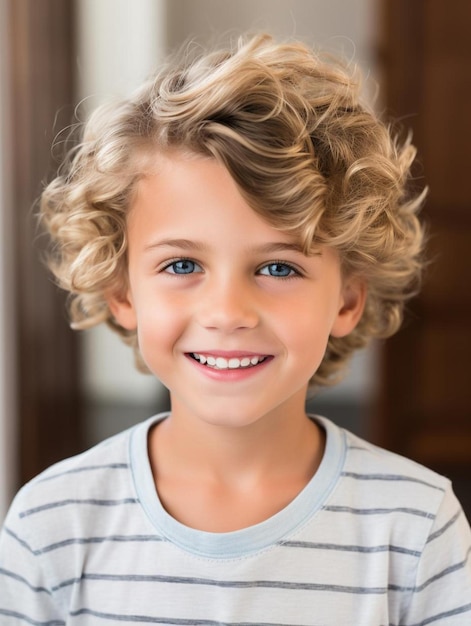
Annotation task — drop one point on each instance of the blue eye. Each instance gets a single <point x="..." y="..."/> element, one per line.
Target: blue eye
<point x="278" y="270"/>
<point x="183" y="266"/>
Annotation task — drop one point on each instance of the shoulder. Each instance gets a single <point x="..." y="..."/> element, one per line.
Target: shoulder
<point x="411" y="509"/>
<point x="68" y="493"/>
<point x="103" y="458"/>
<point x="376" y="486"/>
<point x="389" y="500"/>
<point x="391" y="481"/>
<point x="367" y="462"/>
<point x="364" y="463"/>
<point x="74" y="510"/>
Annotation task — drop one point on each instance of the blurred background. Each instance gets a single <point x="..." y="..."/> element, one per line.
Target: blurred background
<point x="60" y="391"/>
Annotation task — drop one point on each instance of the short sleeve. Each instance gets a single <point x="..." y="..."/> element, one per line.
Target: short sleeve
<point x="25" y="593"/>
<point x="442" y="591"/>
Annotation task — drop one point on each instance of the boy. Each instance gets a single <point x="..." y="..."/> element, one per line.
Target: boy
<point x="242" y="222"/>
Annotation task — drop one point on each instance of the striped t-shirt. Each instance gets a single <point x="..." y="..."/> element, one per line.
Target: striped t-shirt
<point x="373" y="539"/>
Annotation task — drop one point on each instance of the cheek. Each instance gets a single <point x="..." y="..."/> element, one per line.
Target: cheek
<point x="307" y="331"/>
<point x="159" y="326"/>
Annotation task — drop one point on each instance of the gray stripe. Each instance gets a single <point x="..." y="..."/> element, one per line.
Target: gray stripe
<point x="92" y="540"/>
<point x="60" y="503"/>
<point x="84" y="541"/>
<point x="442" y="574"/>
<point x="87" y="468"/>
<point x="392" y="478"/>
<point x="408" y="511"/>
<point x="174" y="621"/>
<point x="349" y="548"/>
<point x="66" y="583"/>
<point x="10" y="574"/>
<point x="429" y="620"/>
<point x="445" y="572"/>
<point x="233" y="584"/>
<point x="441" y="530"/>
<point x="29" y="620"/>
<point x="22" y="542"/>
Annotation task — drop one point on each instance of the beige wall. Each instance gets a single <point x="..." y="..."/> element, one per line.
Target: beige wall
<point x="345" y="27"/>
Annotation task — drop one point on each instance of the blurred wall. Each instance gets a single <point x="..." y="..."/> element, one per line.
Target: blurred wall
<point x="343" y="27"/>
<point x="7" y="356"/>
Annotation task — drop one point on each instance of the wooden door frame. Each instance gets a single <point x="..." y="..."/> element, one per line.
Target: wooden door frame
<point x="425" y="397"/>
<point x="42" y="96"/>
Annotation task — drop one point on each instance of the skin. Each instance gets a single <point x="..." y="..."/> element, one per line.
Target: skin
<point x="207" y="275"/>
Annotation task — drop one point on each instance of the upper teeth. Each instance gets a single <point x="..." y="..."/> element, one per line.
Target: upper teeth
<point x="224" y="364"/>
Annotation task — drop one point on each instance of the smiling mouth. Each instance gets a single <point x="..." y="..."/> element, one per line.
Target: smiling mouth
<point x="220" y="363"/>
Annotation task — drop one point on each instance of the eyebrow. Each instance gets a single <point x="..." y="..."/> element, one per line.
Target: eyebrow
<point x="189" y="244"/>
<point x="281" y="246"/>
<point x="185" y="244"/>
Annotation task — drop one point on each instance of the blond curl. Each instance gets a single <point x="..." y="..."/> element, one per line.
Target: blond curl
<point x="307" y="155"/>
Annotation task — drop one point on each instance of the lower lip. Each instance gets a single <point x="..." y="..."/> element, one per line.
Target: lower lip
<point x="230" y="375"/>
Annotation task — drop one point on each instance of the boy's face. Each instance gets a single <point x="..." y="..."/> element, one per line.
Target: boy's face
<point x="231" y="316"/>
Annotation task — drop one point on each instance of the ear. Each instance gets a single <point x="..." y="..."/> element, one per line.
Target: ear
<point x="122" y="309"/>
<point x="352" y="304"/>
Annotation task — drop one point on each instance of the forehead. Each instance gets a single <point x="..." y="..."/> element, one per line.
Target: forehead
<point x="184" y="194"/>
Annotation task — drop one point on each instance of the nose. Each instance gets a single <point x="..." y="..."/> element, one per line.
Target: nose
<point x="229" y="305"/>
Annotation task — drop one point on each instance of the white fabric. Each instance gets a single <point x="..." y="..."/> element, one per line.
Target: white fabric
<point x="373" y="539"/>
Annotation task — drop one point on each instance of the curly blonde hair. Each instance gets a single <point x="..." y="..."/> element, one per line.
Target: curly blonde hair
<point x="306" y="154"/>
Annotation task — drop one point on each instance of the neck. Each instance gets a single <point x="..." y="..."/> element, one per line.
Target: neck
<point x="220" y="478"/>
<point x="282" y="443"/>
